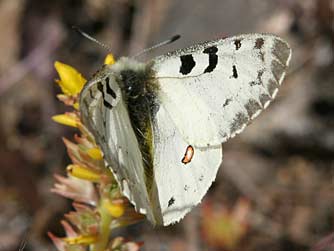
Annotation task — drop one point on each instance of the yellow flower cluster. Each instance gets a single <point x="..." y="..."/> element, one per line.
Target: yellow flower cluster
<point x="71" y="81"/>
<point x="89" y="182"/>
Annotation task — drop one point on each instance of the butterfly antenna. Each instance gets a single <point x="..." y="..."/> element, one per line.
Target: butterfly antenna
<point x="168" y="41"/>
<point x="23" y="242"/>
<point x="89" y="37"/>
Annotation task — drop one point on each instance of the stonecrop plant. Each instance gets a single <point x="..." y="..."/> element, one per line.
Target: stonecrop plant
<point x="99" y="206"/>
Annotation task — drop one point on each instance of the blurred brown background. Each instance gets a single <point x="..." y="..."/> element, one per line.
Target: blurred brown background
<point x="274" y="191"/>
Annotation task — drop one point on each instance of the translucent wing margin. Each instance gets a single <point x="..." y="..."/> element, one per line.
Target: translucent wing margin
<point x="212" y="90"/>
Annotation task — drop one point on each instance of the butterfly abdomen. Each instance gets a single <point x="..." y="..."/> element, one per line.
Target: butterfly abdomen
<point x="139" y="92"/>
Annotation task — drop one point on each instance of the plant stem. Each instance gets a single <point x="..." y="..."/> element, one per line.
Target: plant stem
<point x="105" y="230"/>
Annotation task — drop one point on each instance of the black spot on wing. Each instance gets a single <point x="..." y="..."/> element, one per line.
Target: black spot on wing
<point x="227" y="101"/>
<point x="210" y="50"/>
<point x="105" y="103"/>
<point x="213" y="61"/>
<point x="171" y="201"/>
<point x="109" y="90"/>
<point x="213" y="58"/>
<point x="259" y="43"/>
<point x="237" y="44"/>
<point x="187" y="64"/>
<point x="100" y="87"/>
<point x="91" y="94"/>
<point x="235" y="73"/>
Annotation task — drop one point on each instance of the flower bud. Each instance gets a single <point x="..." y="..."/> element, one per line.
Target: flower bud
<point x="83" y="173"/>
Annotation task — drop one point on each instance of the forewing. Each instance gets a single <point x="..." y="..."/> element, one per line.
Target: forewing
<point x="180" y="183"/>
<point x="212" y="90"/>
<point x="109" y="122"/>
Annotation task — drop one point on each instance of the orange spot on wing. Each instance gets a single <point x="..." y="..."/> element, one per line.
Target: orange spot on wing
<point x="188" y="155"/>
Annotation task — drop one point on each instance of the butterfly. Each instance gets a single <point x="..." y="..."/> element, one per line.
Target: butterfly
<point x="161" y="124"/>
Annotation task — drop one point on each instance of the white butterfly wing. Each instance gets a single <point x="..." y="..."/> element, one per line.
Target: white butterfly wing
<point x="212" y="90"/>
<point x="207" y="94"/>
<point x="114" y="134"/>
<point x="180" y="186"/>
